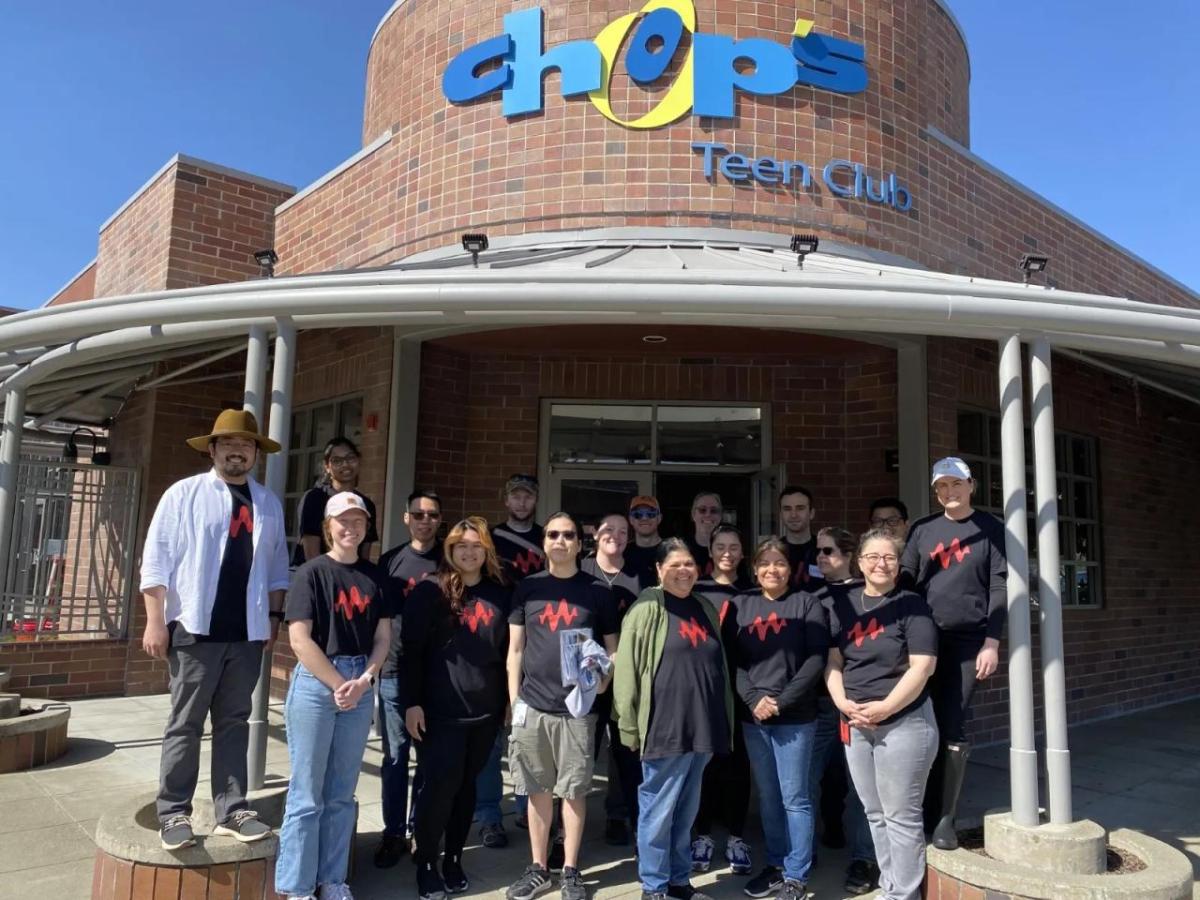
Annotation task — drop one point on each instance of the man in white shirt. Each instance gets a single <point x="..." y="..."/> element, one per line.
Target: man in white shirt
<point x="214" y="574"/>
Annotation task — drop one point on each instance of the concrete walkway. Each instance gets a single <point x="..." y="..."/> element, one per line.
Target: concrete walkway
<point x="1140" y="771"/>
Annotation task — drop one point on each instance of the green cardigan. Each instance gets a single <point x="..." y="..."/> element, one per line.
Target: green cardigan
<point x="643" y="636"/>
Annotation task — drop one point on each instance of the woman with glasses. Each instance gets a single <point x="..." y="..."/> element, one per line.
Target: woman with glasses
<point x="778" y="640"/>
<point x="884" y="651"/>
<point x="455" y="638"/>
<point x="725" y="794"/>
<point x="340" y="462"/>
<point x="551" y="746"/>
<point x="673" y="704"/>
<point x="707" y="510"/>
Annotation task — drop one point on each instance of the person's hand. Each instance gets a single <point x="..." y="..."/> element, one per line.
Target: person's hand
<point x="988" y="659"/>
<point x="874" y="711"/>
<point x="414" y="721"/>
<point x="350" y="692"/>
<point x="855" y="714"/>
<point x="155" y="639"/>
<point x="765" y="708"/>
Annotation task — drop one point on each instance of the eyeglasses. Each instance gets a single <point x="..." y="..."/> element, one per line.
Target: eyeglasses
<point x="644" y="513"/>
<point x="874" y="559"/>
<point x="421" y="515"/>
<point x="826" y="551"/>
<point x="565" y="535"/>
<point x="343" y="460"/>
<point x="892" y="521"/>
<point x="708" y="510"/>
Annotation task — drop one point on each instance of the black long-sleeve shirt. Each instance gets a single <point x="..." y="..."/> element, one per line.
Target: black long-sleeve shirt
<point x="961" y="569"/>
<point x="454" y="664"/>
<point x="778" y="649"/>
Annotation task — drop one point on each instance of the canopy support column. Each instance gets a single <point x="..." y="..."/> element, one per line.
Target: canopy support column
<point x="280" y="429"/>
<point x="402" y="436"/>
<point x="10" y="455"/>
<point x="1058" y="757"/>
<point x="256" y="372"/>
<point x="1022" y="752"/>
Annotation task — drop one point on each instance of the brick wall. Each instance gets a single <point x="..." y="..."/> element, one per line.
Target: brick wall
<point x="81" y="287"/>
<point x="134" y="251"/>
<point x="65" y="669"/>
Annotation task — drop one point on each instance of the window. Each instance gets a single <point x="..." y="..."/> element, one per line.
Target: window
<point x="1078" y="499"/>
<point x="312" y="428"/>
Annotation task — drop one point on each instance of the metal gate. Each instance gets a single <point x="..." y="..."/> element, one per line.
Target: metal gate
<point x="72" y="551"/>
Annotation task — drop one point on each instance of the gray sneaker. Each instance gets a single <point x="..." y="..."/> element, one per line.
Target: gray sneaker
<point x="243" y="826"/>
<point x="176" y="833"/>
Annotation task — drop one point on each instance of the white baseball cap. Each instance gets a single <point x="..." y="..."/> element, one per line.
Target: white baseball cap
<point x="950" y="467"/>
<point x="344" y="502"/>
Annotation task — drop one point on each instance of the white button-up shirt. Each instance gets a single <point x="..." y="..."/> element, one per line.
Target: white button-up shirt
<point x="186" y="543"/>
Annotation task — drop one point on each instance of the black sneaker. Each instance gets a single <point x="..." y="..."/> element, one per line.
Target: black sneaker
<point x="533" y="882"/>
<point x="570" y="884"/>
<point x="429" y="883"/>
<point x="453" y="875"/>
<point x="616" y="834"/>
<point x="391" y="848"/>
<point x="792" y="890"/>
<point x="686" y="892"/>
<point x="862" y="877"/>
<point x="765" y="883"/>
<point x="176" y="833"/>
<point x="558" y="854"/>
<point x="493" y="836"/>
<point x="656" y="895"/>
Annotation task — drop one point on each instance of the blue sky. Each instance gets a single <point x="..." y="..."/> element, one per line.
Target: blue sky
<point x="1090" y="104"/>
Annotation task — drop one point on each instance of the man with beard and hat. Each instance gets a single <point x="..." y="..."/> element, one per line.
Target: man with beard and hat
<point x="214" y="573"/>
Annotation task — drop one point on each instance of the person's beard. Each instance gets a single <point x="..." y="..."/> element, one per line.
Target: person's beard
<point x="522" y="518"/>
<point x="234" y="466"/>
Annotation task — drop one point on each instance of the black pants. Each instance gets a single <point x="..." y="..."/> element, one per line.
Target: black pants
<point x="626" y="766"/>
<point x="951" y="689"/>
<point x="725" y="791"/>
<point x="449" y="757"/>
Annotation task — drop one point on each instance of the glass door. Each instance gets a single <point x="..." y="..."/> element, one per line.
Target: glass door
<point x="590" y="495"/>
<point x="765" y="487"/>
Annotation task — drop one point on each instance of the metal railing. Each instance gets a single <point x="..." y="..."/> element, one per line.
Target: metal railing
<point x="71" y="556"/>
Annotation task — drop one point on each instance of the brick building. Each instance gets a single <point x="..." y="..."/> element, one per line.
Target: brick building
<point x="638" y="326"/>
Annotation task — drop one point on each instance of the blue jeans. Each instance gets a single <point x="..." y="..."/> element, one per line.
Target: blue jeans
<point x="667" y="802"/>
<point x="781" y="758"/>
<point x="828" y="750"/>
<point x="393" y="774"/>
<point x="325" y="746"/>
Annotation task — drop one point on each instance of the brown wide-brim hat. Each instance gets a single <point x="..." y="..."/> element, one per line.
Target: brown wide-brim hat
<point x="235" y="423"/>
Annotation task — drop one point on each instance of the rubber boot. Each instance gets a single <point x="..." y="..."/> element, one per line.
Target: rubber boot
<point x="944" y="835"/>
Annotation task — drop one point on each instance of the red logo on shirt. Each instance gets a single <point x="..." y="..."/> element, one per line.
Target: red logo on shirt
<point x="942" y="555"/>
<point x="243" y="519"/>
<point x="693" y="631"/>
<point x="553" y="616"/>
<point x="874" y="630"/>
<point x="724" y="609"/>
<point x="472" y="618"/>
<point x="529" y="561"/>
<point x="773" y="623"/>
<point x="353" y="603"/>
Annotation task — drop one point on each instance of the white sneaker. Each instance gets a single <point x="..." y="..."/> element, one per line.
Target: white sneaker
<point x="335" y="892"/>
<point x="737" y="852"/>
<point x="702" y="853"/>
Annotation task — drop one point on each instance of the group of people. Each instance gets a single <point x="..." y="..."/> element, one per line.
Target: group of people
<point x="705" y="670"/>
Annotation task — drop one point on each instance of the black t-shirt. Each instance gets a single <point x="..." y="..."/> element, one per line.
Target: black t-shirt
<point x="704" y="563"/>
<point x="687" y="709"/>
<point x="644" y="562"/>
<point x="454" y="664"/>
<point x="876" y="635"/>
<point x="803" y="560"/>
<point x="344" y="601"/>
<point x="720" y="595"/>
<point x="778" y="649"/>
<point x="547" y="606"/>
<point x="520" y="551"/>
<point x="311" y="517"/>
<point x="228" y="621"/>
<point x="625" y="585"/>
<point x="403" y="568"/>
<point x="961" y="570"/>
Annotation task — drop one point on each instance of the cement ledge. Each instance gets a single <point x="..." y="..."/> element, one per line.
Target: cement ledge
<point x="1167" y="876"/>
<point x="51" y="715"/>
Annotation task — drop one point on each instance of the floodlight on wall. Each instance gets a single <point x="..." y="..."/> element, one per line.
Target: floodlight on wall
<point x="475" y="244"/>
<point x="266" y="260"/>
<point x="71" y="451"/>
<point x="802" y="245"/>
<point x="1031" y="263"/>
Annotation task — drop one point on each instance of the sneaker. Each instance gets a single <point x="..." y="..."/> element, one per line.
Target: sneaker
<point x="243" y="826"/>
<point x="765" y="883"/>
<point x="685" y="892"/>
<point x="339" y="891"/>
<point x="737" y="852"/>
<point x="570" y="884"/>
<point x="522" y="821"/>
<point x="391" y="848"/>
<point x="792" y="890"/>
<point x="616" y="833"/>
<point x="176" y="833"/>
<point x="655" y="895"/>
<point x="453" y="875"/>
<point x="558" y="854"/>
<point x="862" y="877"/>
<point x="702" y="853"/>
<point x="301" y="897"/>
<point x="493" y="835"/>
<point x="533" y="882"/>
<point x="429" y="883"/>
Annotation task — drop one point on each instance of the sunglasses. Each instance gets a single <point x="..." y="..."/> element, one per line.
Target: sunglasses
<point x="644" y="513"/>
<point x="826" y="551"/>
<point x="420" y="515"/>
<point x="565" y="535"/>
